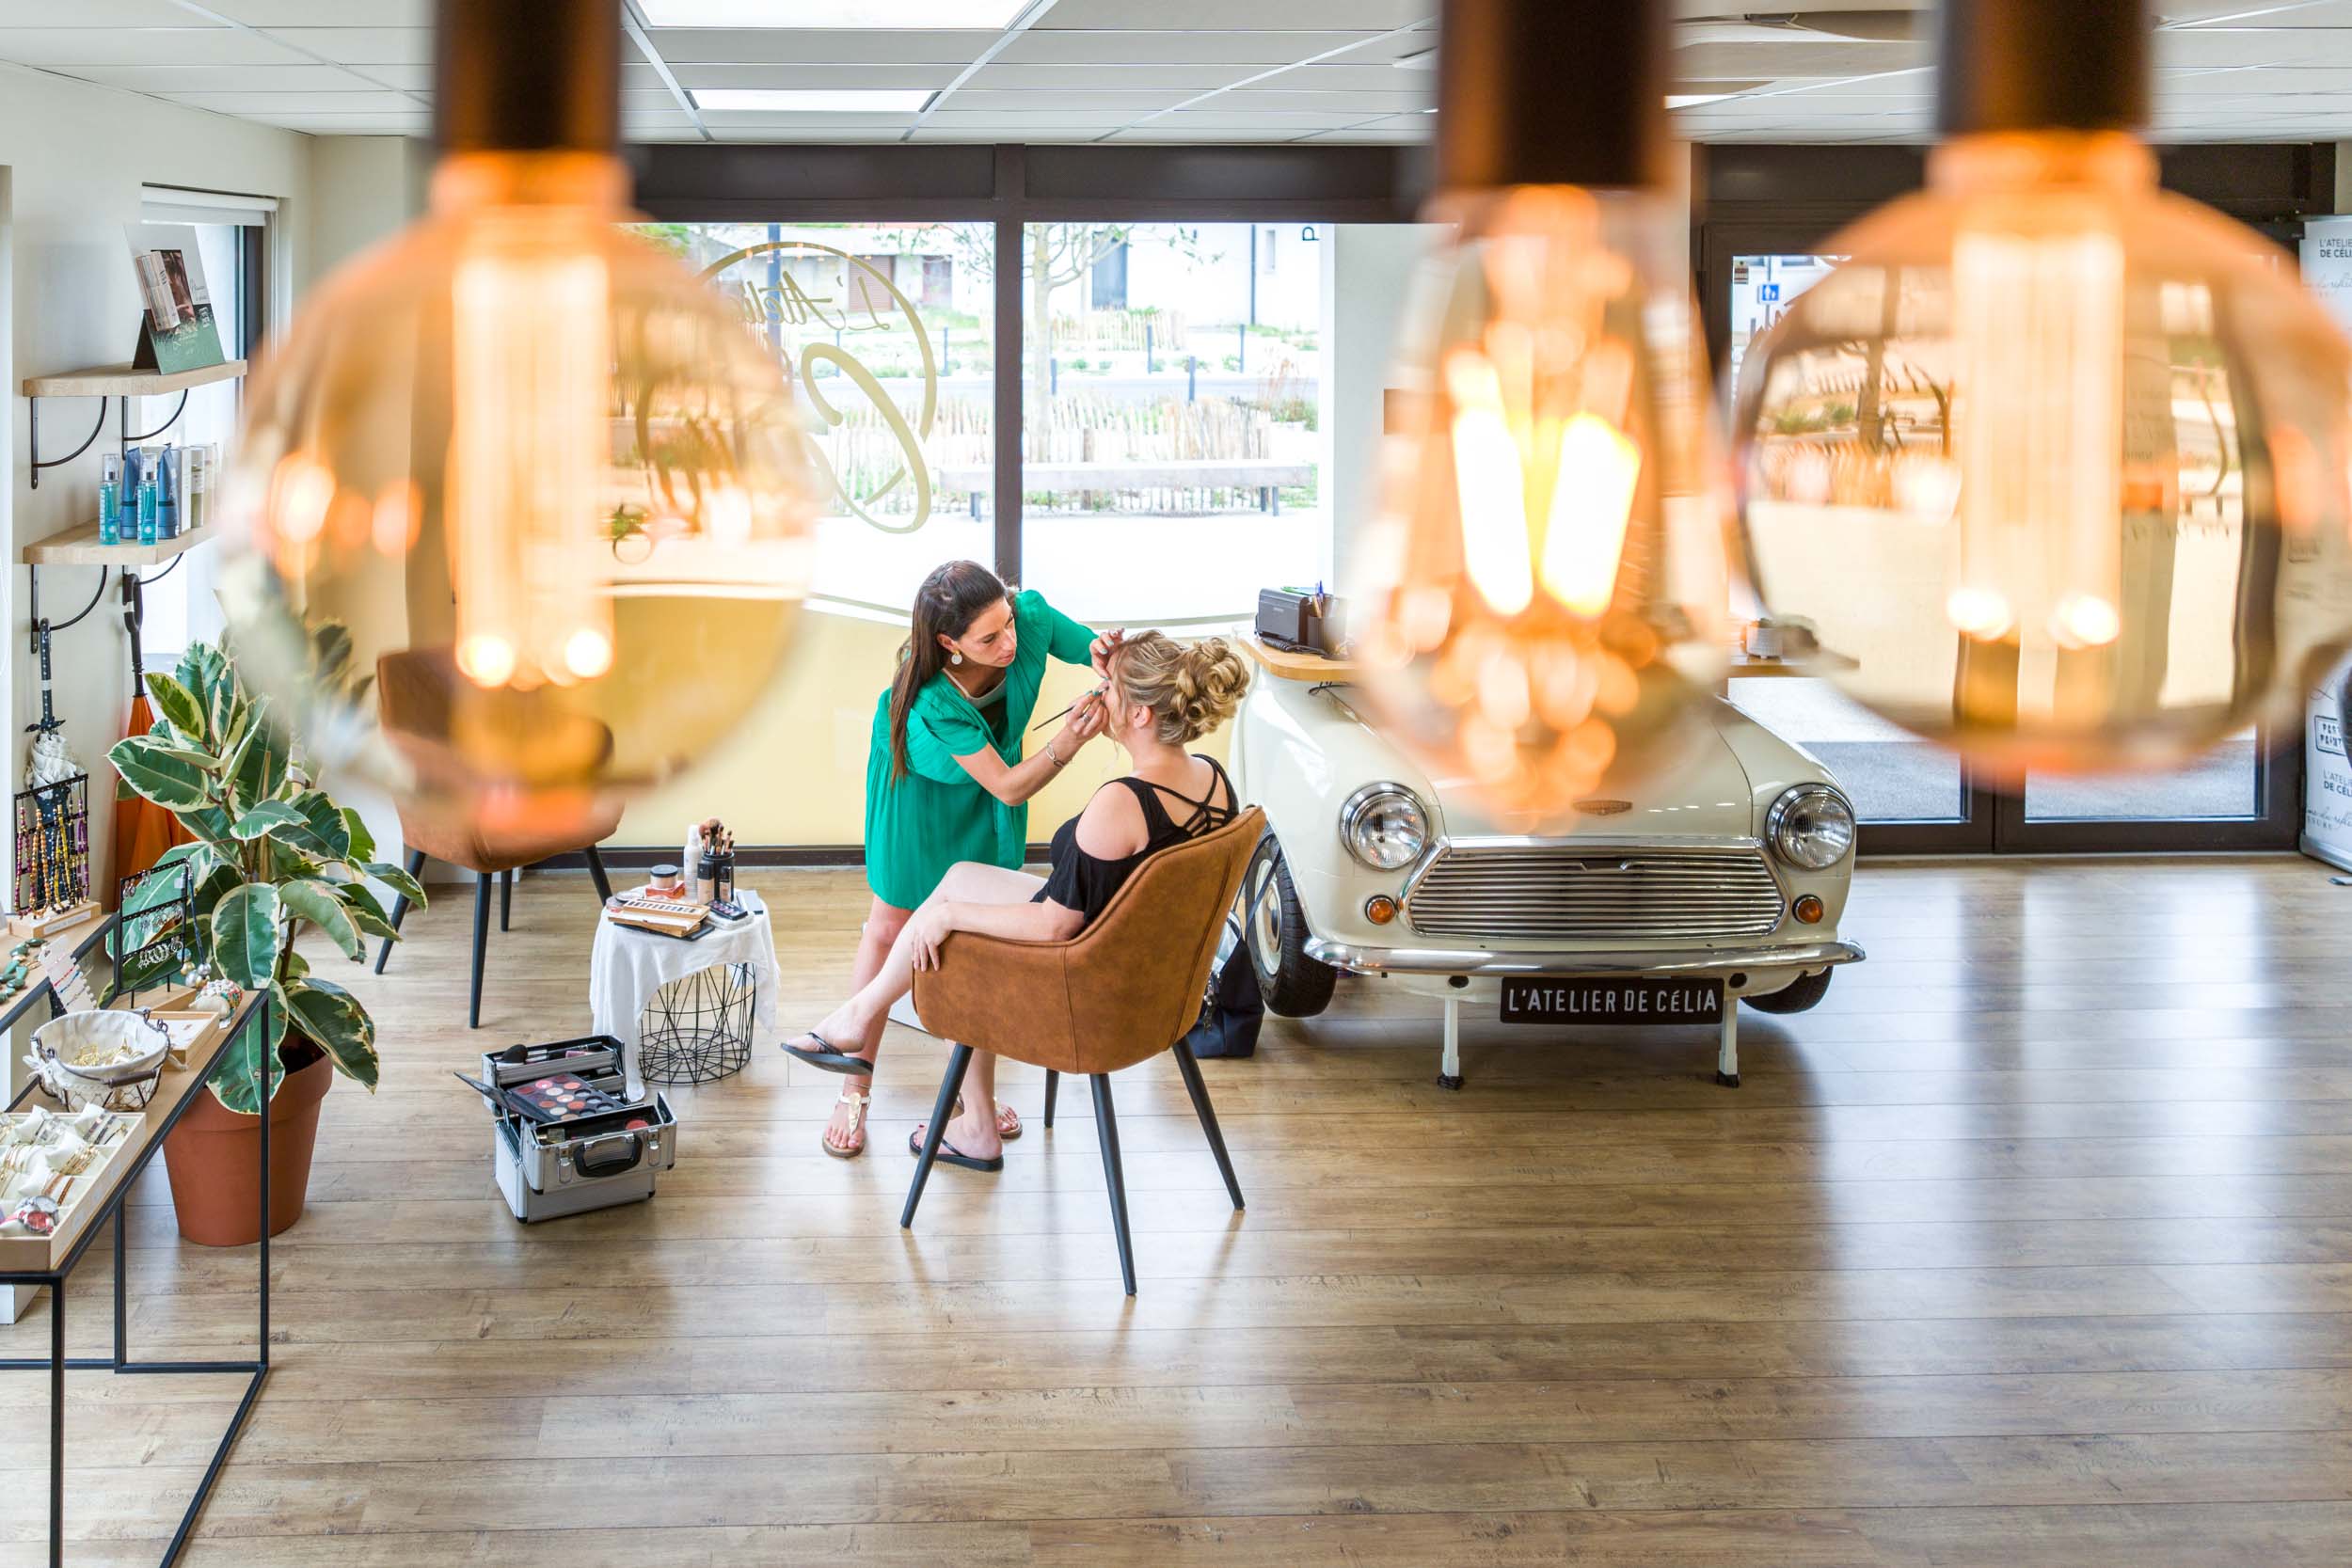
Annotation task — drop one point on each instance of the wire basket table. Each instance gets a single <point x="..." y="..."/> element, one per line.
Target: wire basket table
<point x="698" y="1030"/>
<point x="685" y="1012"/>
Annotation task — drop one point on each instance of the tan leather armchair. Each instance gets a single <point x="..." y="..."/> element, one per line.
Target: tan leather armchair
<point x="413" y="688"/>
<point x="1124" y="989"/>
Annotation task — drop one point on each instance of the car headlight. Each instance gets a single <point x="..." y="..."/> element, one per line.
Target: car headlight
<point x="1383" y="826"/>
<point x="1811" y="826"/>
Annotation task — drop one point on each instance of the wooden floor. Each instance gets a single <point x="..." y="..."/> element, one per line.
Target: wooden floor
<point x="2028" y="1247"/>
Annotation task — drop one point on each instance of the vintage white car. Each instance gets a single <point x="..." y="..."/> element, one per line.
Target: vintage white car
<point x="1720" y="882"/>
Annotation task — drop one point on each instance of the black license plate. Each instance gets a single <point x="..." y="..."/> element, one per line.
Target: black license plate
<point x="1550" y="999"/>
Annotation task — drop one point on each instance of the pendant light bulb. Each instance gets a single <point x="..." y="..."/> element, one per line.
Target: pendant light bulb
<point x="1541" y="598"/>
<point x="460" y="439"/>
<point x="2055" y="461"/>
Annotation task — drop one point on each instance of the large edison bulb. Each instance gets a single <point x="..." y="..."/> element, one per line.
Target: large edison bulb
<point x="2055" y="464"/>
<point x="548" y="482"/>
<point x="1541" y="601"/>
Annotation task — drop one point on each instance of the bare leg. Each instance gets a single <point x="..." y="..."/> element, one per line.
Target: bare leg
<point x="975" y="1131"/>
<point x="845" y="1132"/>
<point x="862" y="1017"/>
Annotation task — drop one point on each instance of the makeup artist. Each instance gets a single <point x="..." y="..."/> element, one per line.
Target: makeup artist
<point x="947" y="779"/>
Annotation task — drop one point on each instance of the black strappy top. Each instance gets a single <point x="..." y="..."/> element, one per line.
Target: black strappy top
<point x="1086" y="882"/>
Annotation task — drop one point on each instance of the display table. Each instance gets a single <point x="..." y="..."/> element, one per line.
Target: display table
<point x="46" y="1260"/>
<point x="686" y="1008"/>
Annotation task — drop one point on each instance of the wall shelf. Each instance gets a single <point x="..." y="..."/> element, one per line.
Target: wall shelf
<point x="122" y="381"/>
<point x="79" y="546"/>
<point x="116" y="384"/>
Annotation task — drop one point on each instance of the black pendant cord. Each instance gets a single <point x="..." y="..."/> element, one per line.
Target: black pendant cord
<point x="527" y="76"/>
<point x="2042" y="65"/>
<point x="1551" y="92"/>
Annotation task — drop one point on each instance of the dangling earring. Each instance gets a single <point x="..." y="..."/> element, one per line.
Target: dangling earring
<point x="955" y="658"/>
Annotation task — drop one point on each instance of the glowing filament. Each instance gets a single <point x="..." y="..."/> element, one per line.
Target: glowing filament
<point x="1490" y="485"/>
<point x="2038" y="322"/>
<point x="1592" y="503"/>
<point x="529" y="450"/>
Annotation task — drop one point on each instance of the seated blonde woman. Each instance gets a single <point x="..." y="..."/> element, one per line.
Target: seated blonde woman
<point x="1158" y="697"/>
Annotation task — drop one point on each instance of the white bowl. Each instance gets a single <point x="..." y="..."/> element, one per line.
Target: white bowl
<point x="61" y="1039"/>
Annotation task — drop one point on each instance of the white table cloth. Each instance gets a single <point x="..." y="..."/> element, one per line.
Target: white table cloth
<point x="630" y="965"/>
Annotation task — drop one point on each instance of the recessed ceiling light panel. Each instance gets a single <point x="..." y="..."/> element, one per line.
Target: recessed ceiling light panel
<point x="943" y="15"/>
<point x="812" y="100"/>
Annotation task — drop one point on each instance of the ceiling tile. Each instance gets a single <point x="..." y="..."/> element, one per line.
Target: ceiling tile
<point x="1048" y="46"/>
<point x="96" y="14"/>
<point x="272" y="106"/>
<point x="1240" y="16"/>
<point x="195" y="46"/>
<point x="829" y="46"/>
<point x="326" y="13"/>
<point x="363" y="46"/>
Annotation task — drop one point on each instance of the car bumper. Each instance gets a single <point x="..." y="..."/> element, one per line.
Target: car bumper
<point x="1698" y="961"/>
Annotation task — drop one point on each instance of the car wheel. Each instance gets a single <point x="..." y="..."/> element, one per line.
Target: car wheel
<point x="1293" y="984"/>
<point x="1794" y="998"/>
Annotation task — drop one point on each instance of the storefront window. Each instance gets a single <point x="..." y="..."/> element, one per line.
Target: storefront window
<point x="1173" y="434"/>
<point x="886" y="331"/>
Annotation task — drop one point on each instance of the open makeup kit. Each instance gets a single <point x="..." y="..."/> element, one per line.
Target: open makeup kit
<point x="566" y="1134"/>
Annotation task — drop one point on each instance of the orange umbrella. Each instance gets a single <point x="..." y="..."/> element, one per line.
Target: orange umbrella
<point x="143" y="830"/>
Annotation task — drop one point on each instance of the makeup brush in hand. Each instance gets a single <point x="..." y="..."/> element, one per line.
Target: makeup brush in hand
<point x="1066" y="712"/>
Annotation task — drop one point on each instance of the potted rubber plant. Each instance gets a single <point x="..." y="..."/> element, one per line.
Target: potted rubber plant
<point x="272" y="859"/>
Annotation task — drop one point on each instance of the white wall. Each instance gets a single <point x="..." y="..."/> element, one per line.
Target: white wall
<point x="362" y="189"/>
<point x="77" y="156"/>
<point x="1369" y="271"/>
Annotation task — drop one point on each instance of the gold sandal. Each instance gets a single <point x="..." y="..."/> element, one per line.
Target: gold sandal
<point x="856" y="1103"/>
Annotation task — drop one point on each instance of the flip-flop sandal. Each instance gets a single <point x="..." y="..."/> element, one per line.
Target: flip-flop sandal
<point x="830" y="1059"/>
<point x="1008" y="1119"/>
<point x="949" y="1154"/>
<point x="856" y="1103"/>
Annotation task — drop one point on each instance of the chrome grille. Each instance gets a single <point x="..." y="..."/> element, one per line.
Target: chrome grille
<point x="1564" y="892"/>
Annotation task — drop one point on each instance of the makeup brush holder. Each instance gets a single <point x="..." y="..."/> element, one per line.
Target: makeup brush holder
<point x="714" y="878"/>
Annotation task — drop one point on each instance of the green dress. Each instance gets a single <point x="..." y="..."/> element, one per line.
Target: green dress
<point x="919" y="825"/>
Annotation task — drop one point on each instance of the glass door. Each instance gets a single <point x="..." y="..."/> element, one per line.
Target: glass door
<point x="1911" y="797"/>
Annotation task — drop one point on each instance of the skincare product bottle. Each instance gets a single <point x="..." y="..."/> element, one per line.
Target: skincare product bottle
<point x="167" y="492"/>
<point x="147" y="510"/>
<point x="109" y="497"/>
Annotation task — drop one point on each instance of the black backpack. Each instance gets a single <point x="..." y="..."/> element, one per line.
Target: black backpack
<point x="1231" y="1009"/>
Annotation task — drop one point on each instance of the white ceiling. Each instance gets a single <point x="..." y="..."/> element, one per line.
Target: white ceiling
<point x="1150" y="71"/>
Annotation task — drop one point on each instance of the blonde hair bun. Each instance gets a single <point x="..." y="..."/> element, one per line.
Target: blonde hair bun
<point x="1191" y="688"/>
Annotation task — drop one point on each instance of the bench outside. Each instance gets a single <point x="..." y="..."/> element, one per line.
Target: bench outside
<point x="1265" y="475"/>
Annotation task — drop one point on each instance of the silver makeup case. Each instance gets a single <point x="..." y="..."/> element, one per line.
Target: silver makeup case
<point x="550" y="1168"/>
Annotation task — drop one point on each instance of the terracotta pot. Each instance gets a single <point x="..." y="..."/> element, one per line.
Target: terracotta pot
<point x="215" y="1156"/>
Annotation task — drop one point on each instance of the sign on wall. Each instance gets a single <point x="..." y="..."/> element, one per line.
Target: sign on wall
<point x="2327" y="771"/>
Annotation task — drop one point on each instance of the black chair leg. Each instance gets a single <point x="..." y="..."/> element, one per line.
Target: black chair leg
<point x="959" y="1058"/>
<point x="1190" y="1066"/>
<point x="506" y="897"/>
<point x="400" y="906"/>
<point x="1053" y="1082"/>
<point x="595" y="870"/>
<point x="481" y="880"/>
<point x="1107" y="1129"/>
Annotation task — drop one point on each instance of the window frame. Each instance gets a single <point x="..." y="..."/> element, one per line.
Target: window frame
<point x="1014" y="184"/>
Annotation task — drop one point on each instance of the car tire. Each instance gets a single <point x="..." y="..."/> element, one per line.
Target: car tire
<point x="1293" y="984"/>
<point x="1797" y="997"/>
